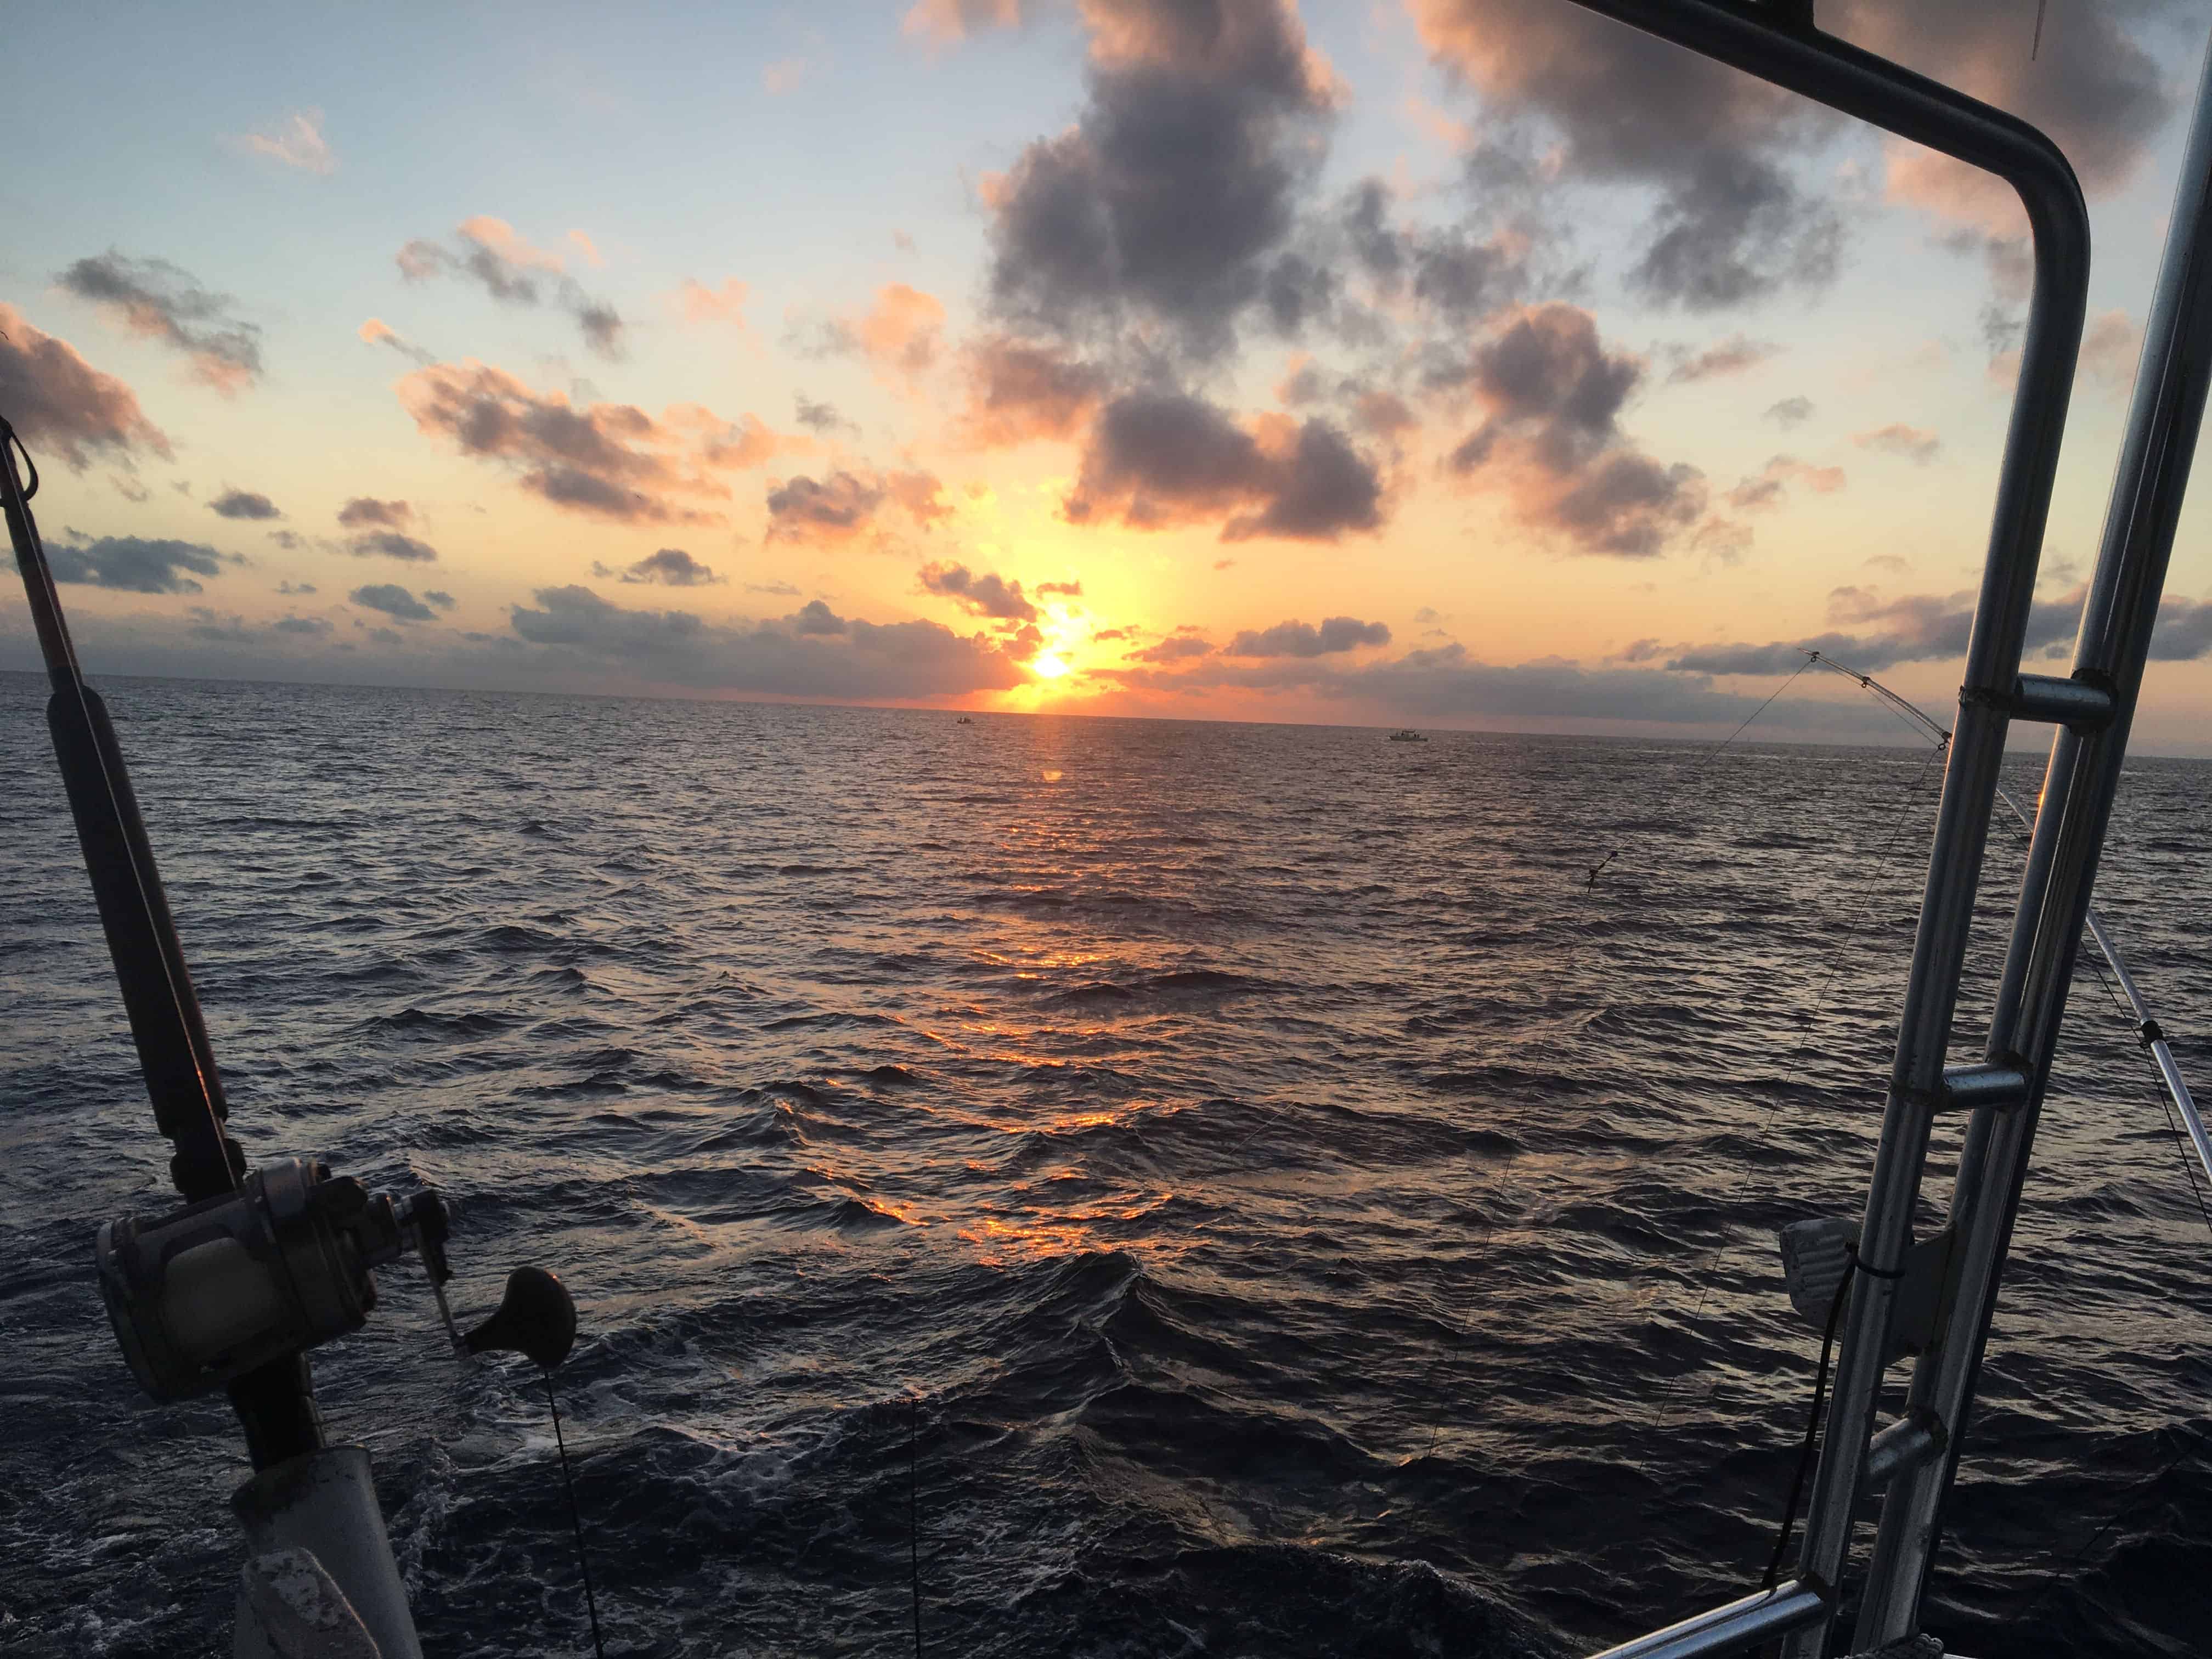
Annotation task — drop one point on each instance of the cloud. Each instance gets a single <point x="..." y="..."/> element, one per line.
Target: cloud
<point x="609" y="460"/>
<point x="1734" y="355"/>
<point x="2184" y="633"/>
<point x="784" y="589"/>
<point x="156" y="300"/>
<point x="1298" y="639"/>
<point x="313" y="627"/>
<point x="362" y="511"/>
<point x="393" y="601"/>
<point x="442" y="601"/>
<point x="2101" y="94"/>
<point x="942" y="22"/>
<point x="133" y="564"/>
<point x="1176" y="647"/>
<point x="725" y="304"/>
<point x="988" y="595"/>
<point x="816" y="619"/>
<point x="295" y="588"/>
<point x="922" y="493"/>
<point x="243" y="504"/>
<point x="826" y="509"/>
<point x="298" y="143"/>
<point x="1551" y="395"/>
<point x="1916" y="627"/>
<point x="1914" y="443"/>
<point x="588" y="248"/>
<point x="820" y="416"/>
<point x="2110" y="347"/>
<point x="1720" y="150"/>
<point x="1790" y="411"/>
<point x="900" y="334"/>
<point x="814" y="653"/>
<point x="1072" y="590"/>
<point x="671" y="566"/>
<point x="512" y="272"/>
<point x="1768" y="487"/>
<point x="390" y="545"/>
<point x="1019" y="393"/>
<point x="59" y="402"/>
<point x="377" y="332"/>
<point x="783" y="74"/>
<point x="1158" y="460"/>
<point x="1174" y="195"/>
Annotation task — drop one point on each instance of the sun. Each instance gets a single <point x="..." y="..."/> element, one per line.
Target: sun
<point x="1045" y="666"/>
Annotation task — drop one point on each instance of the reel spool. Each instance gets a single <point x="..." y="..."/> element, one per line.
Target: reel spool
<point x="280" y="1266"/>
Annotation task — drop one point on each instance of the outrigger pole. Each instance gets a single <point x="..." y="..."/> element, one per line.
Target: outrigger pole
<point x="274" y="1402"/>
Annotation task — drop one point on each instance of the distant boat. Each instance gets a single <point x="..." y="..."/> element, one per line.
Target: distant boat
<point x="1407" y="736"/>
<point x="963" y="720"/>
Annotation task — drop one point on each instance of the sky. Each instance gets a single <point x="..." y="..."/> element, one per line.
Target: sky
<point x="1457" y="364"/>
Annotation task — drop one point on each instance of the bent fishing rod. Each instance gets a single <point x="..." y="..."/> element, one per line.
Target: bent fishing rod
<point x="259" y="1265"/>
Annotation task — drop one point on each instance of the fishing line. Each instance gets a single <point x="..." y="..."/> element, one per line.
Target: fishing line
<point x="914" y="1514"/>
<point x="576" y="1519"/>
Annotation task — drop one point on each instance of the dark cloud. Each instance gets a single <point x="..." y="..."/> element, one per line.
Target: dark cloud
<point x="363" y="511"/>
<point x="61" y="404"/>
<point x="824" y="509"/>
<point x="1790" y="411"/>
<point x="295" y="588"/>
<point x="156" y="300"/>
<point x="393" y="601"/>
<point x="1298" y="639"/>
<point x="1720" y="149"/>
<point x="1173" y="197"/>
<point x="390" y="545"/>
<point x="986" y="595"/>
<point x="816" y="619"/>
<point x="442" y="601"/>
<point x="1916" y="444"/>
<point x="1734" y="355"/>
<point x="1917" y="628"/>
<point x="487" y="252"/>
<point x="377" y="332"/>
<point x="609" y="460"/>
<point x="811" y="654"/>
<point x="1017" y="392"/>
<point x="782" y="589"/>
<point x="1176" y="647"/>
<point x="243" y="504"/>
<point x="1553" y="394"/>
<point x="313" y="627"/>
<point x="133" y="564"/>
<point x="820" y="417"/>
<point x="1156" y="459"/>
<point x="2184" y="629"/>
<point x="1072" y="590"/>
<point x="671" y="566"/>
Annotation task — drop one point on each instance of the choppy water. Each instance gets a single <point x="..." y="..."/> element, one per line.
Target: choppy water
<point x="1272" y="1203"/>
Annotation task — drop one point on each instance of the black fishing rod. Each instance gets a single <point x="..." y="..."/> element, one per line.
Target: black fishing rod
<point x="275" y="1402"/>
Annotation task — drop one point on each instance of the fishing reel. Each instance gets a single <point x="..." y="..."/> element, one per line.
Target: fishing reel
<point x="279" y="1266"/>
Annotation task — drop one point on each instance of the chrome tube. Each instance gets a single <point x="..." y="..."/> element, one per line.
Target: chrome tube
<point x="2164" y="420"/>
<point x="1732" y="1629"/>
<point x="1779" y="43"/>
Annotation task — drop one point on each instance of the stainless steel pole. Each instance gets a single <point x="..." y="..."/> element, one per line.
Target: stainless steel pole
<point x="2151" y="480"/>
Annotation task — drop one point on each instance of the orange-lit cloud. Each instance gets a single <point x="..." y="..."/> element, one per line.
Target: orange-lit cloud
<point x="609" y="460"/>
<point x="59" y="402"/>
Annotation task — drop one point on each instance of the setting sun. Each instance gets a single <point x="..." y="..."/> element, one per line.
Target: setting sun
<point x="1047" y="666"/>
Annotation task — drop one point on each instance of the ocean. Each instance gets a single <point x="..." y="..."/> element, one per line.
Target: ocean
<point x="1151" y="1187"/>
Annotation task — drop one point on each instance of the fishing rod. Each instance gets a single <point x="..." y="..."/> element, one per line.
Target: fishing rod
<point x="259" y="1265"/>
<point x="2149" y="1031"/>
